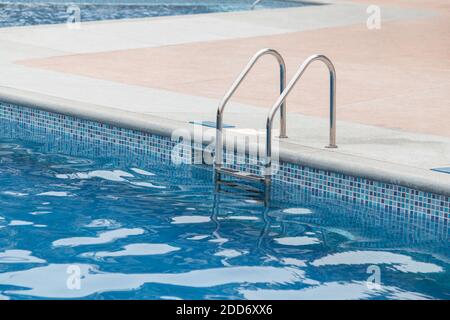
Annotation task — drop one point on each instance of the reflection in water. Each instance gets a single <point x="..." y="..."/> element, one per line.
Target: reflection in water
<point x="55" y="194"/>
<point x="15" y="223"/>
<point x="113" y="175"/>
<point x="189" y="219"/>
<point x="101" y="238"/>
<point x="184" y="241"/>
<point x="199" y="237"/>
<point x="50" y="281"/>
<point x="294" y="262"/>
<point x="398" y="261"/>
<point x="298" y="211"/>
<point x="350" y="289"/>
<point x="229" y="253"/>
<point x="333" y="291"/>
<point x="18" y="256"/>
<point x="103" y="223"/>
<point x="297" y="241"/>
<point x="135" y="249"/>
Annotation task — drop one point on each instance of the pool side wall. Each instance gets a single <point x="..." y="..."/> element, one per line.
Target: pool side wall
<point x="420" y="207"/>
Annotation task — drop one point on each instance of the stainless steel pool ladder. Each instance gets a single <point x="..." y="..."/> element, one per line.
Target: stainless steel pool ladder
<point x="254" y="4"/>
<point x="218" y="159"/>
<point x="280" y="104"/>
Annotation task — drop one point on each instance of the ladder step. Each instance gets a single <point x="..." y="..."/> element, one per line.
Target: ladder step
<point x="238" y="193"/>
<point x="241" y="174"/>
<point x="242" y="187"/>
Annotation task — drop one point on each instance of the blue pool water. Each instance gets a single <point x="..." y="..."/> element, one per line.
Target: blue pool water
<point x="73" y="225"/>
<point x="32" y="12"/>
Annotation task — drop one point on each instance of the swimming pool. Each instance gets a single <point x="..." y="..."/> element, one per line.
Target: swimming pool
<point x="93" y="211"/>
<point x="32" y="12"/>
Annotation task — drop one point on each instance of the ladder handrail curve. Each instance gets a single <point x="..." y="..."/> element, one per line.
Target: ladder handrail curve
<point x="220" y="110"/>
<point x="282" y="99"/>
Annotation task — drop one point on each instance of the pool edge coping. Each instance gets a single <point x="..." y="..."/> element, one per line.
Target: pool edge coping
<point x="324" y="159"/>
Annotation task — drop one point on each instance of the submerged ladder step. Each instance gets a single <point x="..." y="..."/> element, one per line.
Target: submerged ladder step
<point x="241" y="174"/>
<point x="240" y="186"/>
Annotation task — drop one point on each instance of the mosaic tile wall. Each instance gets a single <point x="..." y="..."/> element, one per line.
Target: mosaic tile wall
<point x="291" y="182"/>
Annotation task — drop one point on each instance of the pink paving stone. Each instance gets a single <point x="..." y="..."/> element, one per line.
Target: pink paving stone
<point x="396" y="77"/>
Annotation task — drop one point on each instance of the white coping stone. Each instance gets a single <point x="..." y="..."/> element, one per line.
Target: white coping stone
<point x="325" y="159"/>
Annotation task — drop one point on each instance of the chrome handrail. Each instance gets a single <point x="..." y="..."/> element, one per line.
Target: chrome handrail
<point x="218" y="159"/>
<point x="282" y="99"/>
<point x="254" y="4"/>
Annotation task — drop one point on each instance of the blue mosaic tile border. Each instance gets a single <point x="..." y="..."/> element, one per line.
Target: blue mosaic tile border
<point x="428" y="209"/>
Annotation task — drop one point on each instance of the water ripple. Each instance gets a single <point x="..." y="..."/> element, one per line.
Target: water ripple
<point x="102" y="238"/>
<point x="51" y="281"/>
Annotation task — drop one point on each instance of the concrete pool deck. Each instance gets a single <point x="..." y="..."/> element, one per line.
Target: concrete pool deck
<point x="393" y="83"/>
